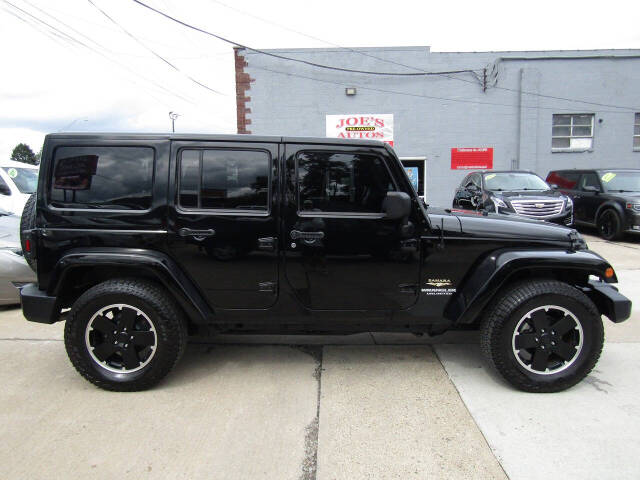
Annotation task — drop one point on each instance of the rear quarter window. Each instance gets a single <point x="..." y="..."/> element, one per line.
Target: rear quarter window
<point x="94" y="177"/>
<point x="564" y="180"/>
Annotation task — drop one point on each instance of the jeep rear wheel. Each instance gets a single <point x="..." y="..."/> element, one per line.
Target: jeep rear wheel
<point x="125" y="335"/>
<point x="543" y="336"/>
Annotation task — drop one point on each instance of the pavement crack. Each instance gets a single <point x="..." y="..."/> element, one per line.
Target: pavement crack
<point x="310" y="462"/>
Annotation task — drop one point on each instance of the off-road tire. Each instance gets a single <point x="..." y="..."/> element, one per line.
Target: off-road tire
<point x="156" y="303"/>
<point x="615" y="229"/>
<point x="28" y="222"/>
<point x="502" y="317"/>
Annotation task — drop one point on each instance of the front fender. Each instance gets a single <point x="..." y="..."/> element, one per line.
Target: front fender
<point x="499" y="267"/>
<point x="610" y="204"/>
<point x="158" y="264"/>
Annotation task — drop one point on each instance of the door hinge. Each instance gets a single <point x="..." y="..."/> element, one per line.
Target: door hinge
<point x="267" y="287"/>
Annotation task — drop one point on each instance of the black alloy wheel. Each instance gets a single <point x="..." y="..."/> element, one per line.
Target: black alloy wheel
<point x="121" y="338"/>
<point x="125" y="334"/>
<point x="542" y="335"/>
<point x="610" y="225"/>
<point x="547" y="339"/>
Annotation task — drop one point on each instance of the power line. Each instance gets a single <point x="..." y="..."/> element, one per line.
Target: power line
<point x="73" y="40"/>
<point x="430" y="97"/>
<point x="313" y="64"/>
<point x="282" y="57"/>
<point x="297" y="32"/>
<point x="157" y="55"/>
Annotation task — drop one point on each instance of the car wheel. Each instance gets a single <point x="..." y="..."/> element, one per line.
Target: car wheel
<point x="125" y="335"/>
<point x="28" y="222"/>
<point x="610" y="225"/>
<point x="542" y="336"/>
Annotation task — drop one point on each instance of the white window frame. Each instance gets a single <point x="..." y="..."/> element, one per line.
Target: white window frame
<point x="636" y="127"/>
<point x="571" y="136"/>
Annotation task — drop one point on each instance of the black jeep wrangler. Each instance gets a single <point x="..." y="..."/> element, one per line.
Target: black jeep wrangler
<point x="141" y="240"/>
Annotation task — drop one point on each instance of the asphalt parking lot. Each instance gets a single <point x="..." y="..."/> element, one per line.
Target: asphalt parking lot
<point x="363" y="406"/>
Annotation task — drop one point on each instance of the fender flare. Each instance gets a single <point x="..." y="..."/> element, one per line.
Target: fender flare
<point x="490" y="274"/>
<point x="610" y="204"/>
<point x="158" y="264"/>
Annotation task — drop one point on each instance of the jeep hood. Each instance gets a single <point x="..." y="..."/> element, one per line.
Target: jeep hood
<point x="499" y="226"/>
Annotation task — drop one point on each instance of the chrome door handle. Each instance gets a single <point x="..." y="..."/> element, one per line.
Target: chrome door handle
<point x="297" y="234"/>
<point x="188" y="232"/>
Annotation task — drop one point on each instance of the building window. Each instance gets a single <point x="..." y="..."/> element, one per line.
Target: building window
<point x="636" y="133"/>
<point x="572" y="132"/>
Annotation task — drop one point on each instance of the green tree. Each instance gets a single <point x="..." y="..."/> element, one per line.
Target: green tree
<point x="23" y="153"/>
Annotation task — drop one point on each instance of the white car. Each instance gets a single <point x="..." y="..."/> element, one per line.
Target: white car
<point x="17" y="182"/>
<point x="14" y="271"/>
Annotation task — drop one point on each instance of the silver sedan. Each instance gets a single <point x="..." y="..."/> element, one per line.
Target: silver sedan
<point x="14" y="270"/>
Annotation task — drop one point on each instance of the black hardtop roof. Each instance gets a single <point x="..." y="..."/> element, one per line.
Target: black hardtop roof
<point x="213" y="138"/>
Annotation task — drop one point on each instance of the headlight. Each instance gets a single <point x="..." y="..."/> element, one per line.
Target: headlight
<point x="498" y="203"/>
<point x="569" y="204"/>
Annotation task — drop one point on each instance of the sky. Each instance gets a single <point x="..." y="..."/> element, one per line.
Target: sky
<point x="80" y="71"/>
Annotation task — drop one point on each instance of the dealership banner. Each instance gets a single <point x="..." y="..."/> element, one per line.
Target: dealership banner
<point x="471" y="158"/>
<point x="361" y="126"/>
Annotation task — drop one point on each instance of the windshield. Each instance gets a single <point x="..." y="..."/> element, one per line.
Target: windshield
<point x="514" y="181"/>
<point x="26" y="179"/>
<point x="621" y="181"/>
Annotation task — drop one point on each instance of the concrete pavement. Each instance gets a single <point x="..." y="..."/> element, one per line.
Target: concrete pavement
<point x="340" y="407"/>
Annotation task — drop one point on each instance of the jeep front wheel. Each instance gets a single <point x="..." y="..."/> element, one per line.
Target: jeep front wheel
<point x="543" y="336"/>
<point x="125" y="335"/>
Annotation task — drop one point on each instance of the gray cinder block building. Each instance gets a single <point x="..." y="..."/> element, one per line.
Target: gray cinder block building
<point x="456" y="111"/>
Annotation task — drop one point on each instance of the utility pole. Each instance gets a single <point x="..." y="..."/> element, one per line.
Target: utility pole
<point x="173" y="116"/>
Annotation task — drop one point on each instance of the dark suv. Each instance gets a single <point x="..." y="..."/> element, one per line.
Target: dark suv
<point x="141" y="240"/>
<point x="513" y="193"/>
<point x="608" y="199"/>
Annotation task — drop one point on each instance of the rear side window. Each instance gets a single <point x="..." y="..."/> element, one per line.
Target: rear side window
<point x="564" y="180"/>
<point x="224" y="179"/>
<point x="342" y="182"/>
<point x="119" y="178"/>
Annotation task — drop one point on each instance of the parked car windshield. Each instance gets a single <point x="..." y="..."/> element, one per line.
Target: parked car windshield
<point x="514" y="181"/>
<point x="621" y="181"/>
<point x="26" y="179"/>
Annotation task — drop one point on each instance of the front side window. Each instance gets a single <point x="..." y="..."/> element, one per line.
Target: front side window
<point x="572" y="132"/>
<point x="119" y="178"/>
<point x="224" y="179"/>
<point x="26" y="179"/>
<point x="342" y="182"/>
<point x="636" y="133"/>
<point x="589" y="180"/>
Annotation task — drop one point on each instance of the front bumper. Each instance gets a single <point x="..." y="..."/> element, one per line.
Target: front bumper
<point x="611" y="303"/>
<point x="37" y="306"/>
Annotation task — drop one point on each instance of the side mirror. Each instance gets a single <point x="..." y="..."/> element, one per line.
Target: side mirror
<point x="591" y="188"/>
<point x="473" y="188"/>
<point x="396" y="205"/>
<point x="554" y="186"/>
<point x="4" y="189"/>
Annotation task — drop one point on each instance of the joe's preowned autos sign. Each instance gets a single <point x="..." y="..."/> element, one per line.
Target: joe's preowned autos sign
<point x="361" y="126"/>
